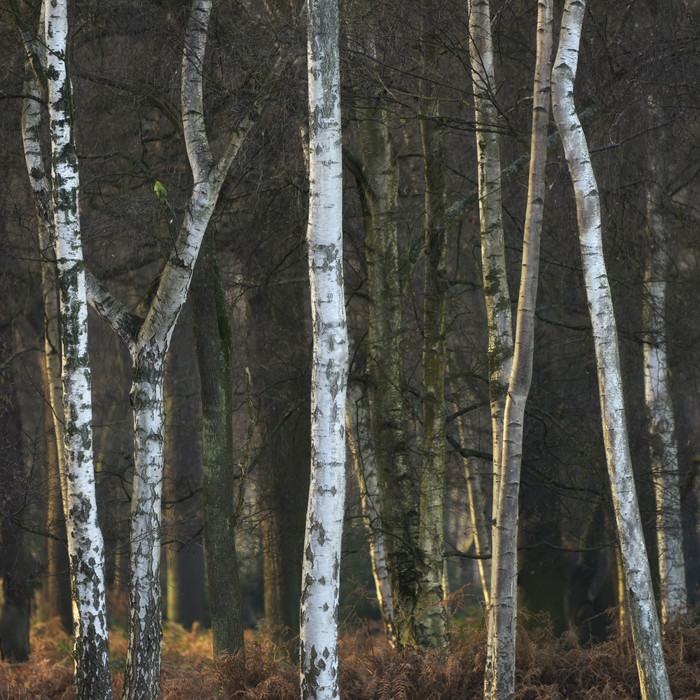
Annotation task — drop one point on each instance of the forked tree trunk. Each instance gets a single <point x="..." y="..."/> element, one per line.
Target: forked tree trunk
<point x="500" y="354"/>
<point x="324" y="519"/>
<point x="359" y="435"/>
<point x="664" y="451"/>
<point x="653" y="676"/>
<point x="85" y="546"/>
<point x="148" y="341"/>
<point x="505" y="542"/>
<point x="497" y="297"/>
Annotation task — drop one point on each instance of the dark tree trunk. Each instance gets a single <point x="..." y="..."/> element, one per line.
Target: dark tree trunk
<point x="213" y="342"/>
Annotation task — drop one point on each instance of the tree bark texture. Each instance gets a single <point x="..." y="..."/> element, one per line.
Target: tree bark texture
<point x="57" y="553"/>
<point x="85" y="546"/>
<point x="496" y="295"/>
<point x="324" y="523"/>
<point x="430" y="617"/>
<point x="500" y="353"/>
<point x="663" y="446"/>
<point x="213" y="340"/>
<point x="397" y="481"/>
<point x="359" y="434"/>
<point x="505" y="544"/>
<point x="653" y="676"/>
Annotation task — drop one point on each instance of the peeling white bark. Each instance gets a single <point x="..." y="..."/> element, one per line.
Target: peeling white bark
<point x="642" y="607"/>
<point x="359" y="434"/>
<point x="664" y="452"/>
<point x="85" y="546"/>
<point x="324" y="520"/>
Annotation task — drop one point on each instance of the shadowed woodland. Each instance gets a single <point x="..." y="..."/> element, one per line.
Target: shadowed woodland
<point x="190" y="132"/>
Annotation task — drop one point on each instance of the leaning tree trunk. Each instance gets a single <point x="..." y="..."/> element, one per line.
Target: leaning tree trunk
<point x="359" y="434"/>
<point x="400" y="517"/>
<point x="505" y="542"/>
<point x="664" y="452"/>
<point x="213" y="341"/>
<point x="85" y="546"/>
<point x="324" y="520"/>
<point x="430" y="617"/>
<point x="653" y="676"/>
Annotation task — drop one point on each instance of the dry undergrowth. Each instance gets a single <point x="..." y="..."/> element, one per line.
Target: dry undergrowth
<point x="548" y="667"/>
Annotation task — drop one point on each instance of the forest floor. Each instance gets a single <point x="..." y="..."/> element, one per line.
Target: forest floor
<point x="548" y="667"/>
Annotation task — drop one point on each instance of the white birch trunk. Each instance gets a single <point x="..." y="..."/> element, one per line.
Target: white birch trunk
<point x="85" y="546"/>
<point x="501" y="684"/>
<point x="324" y="520"/>
<point x="148" y="341"/>
<point x="642" y="608"/>
<point x="491" y="220"/>
<point x="497" y="297"/>
<point x="664" y="452"/>
<point x="359" y="434"/>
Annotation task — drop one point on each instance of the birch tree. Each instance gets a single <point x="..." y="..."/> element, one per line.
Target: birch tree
<point x="502" y="621"/>
<point x="651" y="667"/>
<point x="378" y="176"/>
<point x="85" y="546"/>
<point x="32" y="120"/>
<point x="324" y="521"/>
<point x="500" y="353"/>
<point x="497" y="297"/>
<point x="663" y="448"/>
<point x="359" y="435"/>
<point x="430" y="617"/>
<point x="148" y="340"/>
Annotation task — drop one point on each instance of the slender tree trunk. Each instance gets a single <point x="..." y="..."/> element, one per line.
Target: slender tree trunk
<point x="85" y="546"/>
<point x="15" y="562"/>
<point x="505" y="544"/>
<point x="642" y="607"/>
<point x="497" y="297"/>
<point x="481" y="523"/>
<point x="491" y="221"/>
<point x="324" y="522"/>
<point x="183" y="471"/>
<point x="58" y="579"/>
<point x="359" y="434"/>
<point x="664" y="452"/>
<point x="430" y="614"/>
<point x="213" y="340"/>
<point x="400" y="516"/>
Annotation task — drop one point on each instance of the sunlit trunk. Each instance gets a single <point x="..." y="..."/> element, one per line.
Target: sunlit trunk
<point x="653" y="676"/>
<point x="359" y="435"/>
<point x="504" y="583"/>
